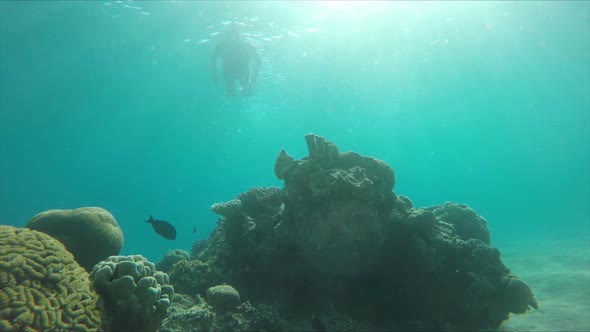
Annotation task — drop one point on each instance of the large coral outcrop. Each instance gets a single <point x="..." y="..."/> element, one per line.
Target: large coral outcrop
<point x="42" y="288"/>
<point x="327" y="172"/>
<point x="136" y="296"/>
<point x="336" y="235"/>
<point x="337" y="206"/>
<point x="91" y="234"/>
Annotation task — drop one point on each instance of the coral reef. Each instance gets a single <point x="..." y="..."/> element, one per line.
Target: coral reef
<point x="223" y="298"/>
<point x="198" y="317"/>
<point x="202" y="317"/>
<point x="136" y="296"/>
<point x="468" y="224"/>
<point x="172" y="257"/>
<point x="42" y="288"/>
<point x="262" y="318"/>
<point x="261" y="201"/>
<point x="193" y="277"/>
<point x="228" y="209"/>
<point x="91" y="234"/>
<point x="336" y="235"/>
<point x="336" y="206"/>
<point x="214" y="260"/>
<point x="198" y="247"/>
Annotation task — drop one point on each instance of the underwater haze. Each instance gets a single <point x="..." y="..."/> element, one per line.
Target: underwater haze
<point x="112" y="104"/>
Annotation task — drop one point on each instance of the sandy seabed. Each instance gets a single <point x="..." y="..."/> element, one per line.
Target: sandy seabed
<point x="559" y="274"/>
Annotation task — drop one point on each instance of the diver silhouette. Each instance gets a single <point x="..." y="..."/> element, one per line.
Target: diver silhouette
<point x="240" y="60"/>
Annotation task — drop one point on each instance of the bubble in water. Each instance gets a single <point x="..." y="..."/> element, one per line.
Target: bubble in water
<point x="132" y="7"/>
<point x="442" y="41"/>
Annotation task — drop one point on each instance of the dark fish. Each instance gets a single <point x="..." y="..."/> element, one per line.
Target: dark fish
<point x="317" y="325"/>
<point x="194" y="229"/>
<point x="164" y="228"/>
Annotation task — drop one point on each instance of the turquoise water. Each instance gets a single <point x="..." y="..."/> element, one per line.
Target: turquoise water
<point x="111" y="104"/>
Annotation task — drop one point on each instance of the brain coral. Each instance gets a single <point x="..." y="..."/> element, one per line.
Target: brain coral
<point x="42" y="287"/>
<point x="91" y="234"/>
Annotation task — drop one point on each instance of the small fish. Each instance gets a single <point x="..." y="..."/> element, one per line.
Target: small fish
<point x="194" y="229"/>
<point x="317" y="325"/>
<point x="164" y="228"/>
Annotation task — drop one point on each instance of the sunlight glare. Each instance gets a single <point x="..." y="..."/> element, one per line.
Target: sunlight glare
<point x="353" y="8"/>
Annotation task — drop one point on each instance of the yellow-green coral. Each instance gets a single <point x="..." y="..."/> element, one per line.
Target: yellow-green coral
<point x="42" y="287"/>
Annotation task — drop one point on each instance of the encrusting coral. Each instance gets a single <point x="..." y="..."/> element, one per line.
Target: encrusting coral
<point x="42" y="288"/>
